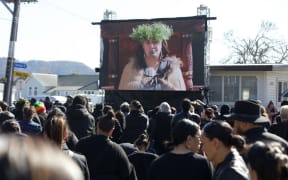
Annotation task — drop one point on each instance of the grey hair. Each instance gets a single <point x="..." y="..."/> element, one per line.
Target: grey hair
<point x="284" y="113"/>
<point x="165" y="107"/>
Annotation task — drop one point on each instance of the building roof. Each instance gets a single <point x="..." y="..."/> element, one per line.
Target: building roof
<point x="46" y="79"/>
<point x="76" y="80"/>
<point x="250" y="67"/>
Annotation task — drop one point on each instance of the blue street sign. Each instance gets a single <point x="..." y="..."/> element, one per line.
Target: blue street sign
<point x="20" y="65"/>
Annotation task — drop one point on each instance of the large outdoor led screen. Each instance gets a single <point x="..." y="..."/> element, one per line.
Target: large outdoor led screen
<point x="142" y="55"/>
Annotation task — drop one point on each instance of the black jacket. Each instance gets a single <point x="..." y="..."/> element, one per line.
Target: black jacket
<point x="261" y="134"/>
<point x="187" y="115"/>
<point x="106" y="159"/>
<point x="80" y="121"/>
<point x="160" y="126"/>
<point x="280" y="129"/>
<point x="233" y="167"/>
<point x="79" y="159"/>
<point x="136" y="124"/>
<point x="171" y="166"/>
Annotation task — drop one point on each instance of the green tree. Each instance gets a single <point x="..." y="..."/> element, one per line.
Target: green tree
<point x="264" y="48"/>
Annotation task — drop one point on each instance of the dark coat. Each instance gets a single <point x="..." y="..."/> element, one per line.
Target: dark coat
<point x="233" y="167"/>
<point x="79" y="159"/>
<point x="30" y="127"/>
<point x="136" y="124"/>
<point x="142" y="161"/>
<point x="261" y="134"/>
<point x="187" y="115"/>
<point x="280" y="129"/>
<point x="187" y="166"/>
<point x="106" y="159"/>
<point x="161" y="130"/>
<point x="80" y="121"/>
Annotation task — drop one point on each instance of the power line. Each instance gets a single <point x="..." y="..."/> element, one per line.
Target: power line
<point x="5" y="19"/>
<point x="67" y="11"/>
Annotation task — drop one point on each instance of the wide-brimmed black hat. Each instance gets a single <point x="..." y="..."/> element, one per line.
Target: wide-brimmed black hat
<point x="247" y="111"/>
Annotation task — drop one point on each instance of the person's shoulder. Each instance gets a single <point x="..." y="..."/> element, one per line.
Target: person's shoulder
<point x="236" y="173"/>
<point x="174" y="61"/>
<point x="131" y="63"/>
<point x="86" y="139"/>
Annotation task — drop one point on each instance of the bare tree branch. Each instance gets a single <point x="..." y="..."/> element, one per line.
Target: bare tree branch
<point x="261" y="49"/>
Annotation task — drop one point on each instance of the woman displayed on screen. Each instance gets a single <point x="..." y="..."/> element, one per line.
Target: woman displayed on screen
<point x="152" y="68"/>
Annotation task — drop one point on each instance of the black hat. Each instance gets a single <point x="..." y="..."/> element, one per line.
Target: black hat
<point x="248" y="111"/>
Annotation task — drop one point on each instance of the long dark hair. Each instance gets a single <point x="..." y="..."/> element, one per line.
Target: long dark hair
<point x="268" y="160"/>
<point x="182" y="129"/>
<point x="223" y="131"/>
<point x="140" y="60"/>
<point x="56" y="126"/>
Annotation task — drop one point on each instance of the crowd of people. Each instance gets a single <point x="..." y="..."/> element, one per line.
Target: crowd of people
<point x="46" y="140"/>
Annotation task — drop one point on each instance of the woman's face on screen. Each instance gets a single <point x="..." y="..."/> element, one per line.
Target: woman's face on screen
<point x="152" y="48"/>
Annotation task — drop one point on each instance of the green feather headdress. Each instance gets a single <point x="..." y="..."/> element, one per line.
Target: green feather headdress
<point x="155" y="31"/>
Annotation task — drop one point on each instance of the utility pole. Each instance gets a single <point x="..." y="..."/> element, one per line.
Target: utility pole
<point x="8" y="86"/>
<point x="205" y="10"/>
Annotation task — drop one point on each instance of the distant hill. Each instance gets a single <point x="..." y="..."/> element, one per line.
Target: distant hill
<point x="49" y="67"/>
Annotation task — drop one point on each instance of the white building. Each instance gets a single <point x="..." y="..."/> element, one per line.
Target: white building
<point x="40" y="85"/>
<point x="264" y="82"/>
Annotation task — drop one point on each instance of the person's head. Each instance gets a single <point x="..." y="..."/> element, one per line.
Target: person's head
<point x="247" y="115"/>
<point x="209" y="113"/>
<point x="142" y="142"/>
<point x="106" y="124"/>
<point x="120" y="116"/>
<point x="107" y="108"/>
<point x="267" y="161"/>
<point x="28" y="112"/>
<point x="284" y="113"/>
<point x="55" y="127"/>
<point x="215" y="108"/>
<point x="98" y="107"/>
<point x="225" y="109"/>
<point x="69" y="101"/>
<point x="10" y="126"/>
<point x="20" y="103"/>
<point x="79" y="100"/>
<point x="153" y="39"/>
<point x="27" y="158"/>
<point x="186" y="104"/>
<point x="173" y="110"/>
<point x="136" y="105"/>
<point x="33" y="100"/>
<point x="124" y="107"/>
<point x="165" y="107"/>
<point x="39" y="107"/>
<point x="263" y="111"/>
<point x="4" y="106"/>
<point x="217" y="139"/>
<point x="198" y="108"/>
<point x="187" y="133"/>
<point x="284" y="102"/>
<point x="4" y="115"/>
<point x="47" y="99"/>
<point x="270" y="104"/>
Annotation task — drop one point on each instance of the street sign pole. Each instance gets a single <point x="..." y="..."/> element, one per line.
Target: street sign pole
<point x="10" y="60"/>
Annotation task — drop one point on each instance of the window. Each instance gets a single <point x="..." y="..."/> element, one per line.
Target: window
<point x="231" y="88"/>
<point x="249" y="87"/>
<point x="279" y="91"/>
<point x="30" y="91"/>
<point x="215" y="88"/>
<point x="35" y="91"/>
<point x="282" y="86"/>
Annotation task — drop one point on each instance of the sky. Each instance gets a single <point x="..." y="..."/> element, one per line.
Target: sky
<point x="62" y="30"/>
